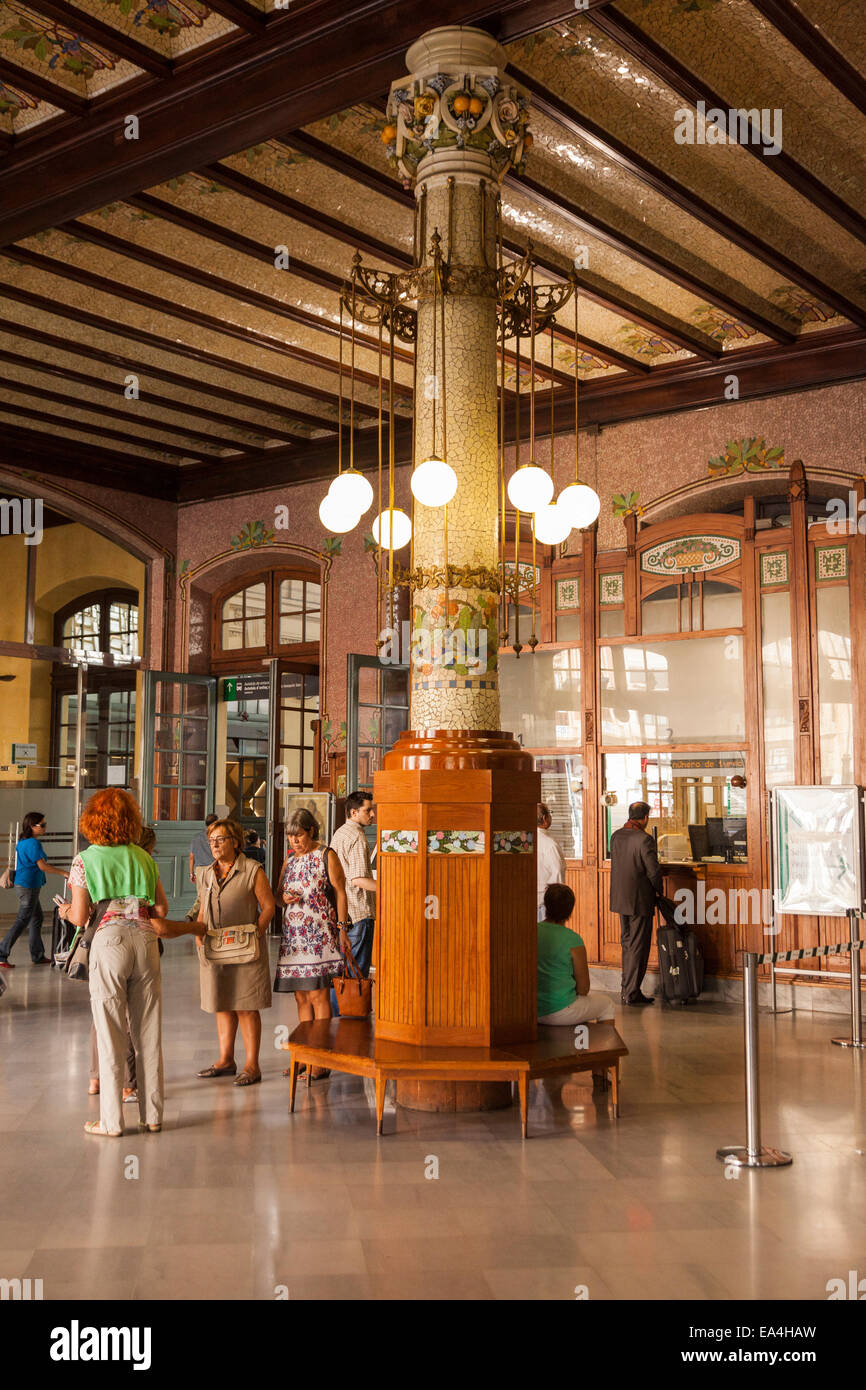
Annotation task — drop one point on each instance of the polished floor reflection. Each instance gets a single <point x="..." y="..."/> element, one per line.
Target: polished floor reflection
<point x="237" y="1200"/>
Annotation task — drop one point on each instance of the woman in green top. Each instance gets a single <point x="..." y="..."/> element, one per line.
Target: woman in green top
<point x="564" y="995"/>
<point x="125" y="984"/>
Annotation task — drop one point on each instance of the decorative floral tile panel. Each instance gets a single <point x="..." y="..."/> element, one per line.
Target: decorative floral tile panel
<point x="455" y="842"/>
<point x="399" y="842"/>
<point x="513" y="841"/>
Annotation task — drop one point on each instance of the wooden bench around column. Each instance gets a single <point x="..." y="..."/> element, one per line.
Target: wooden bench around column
<point x="349" y="1045"/>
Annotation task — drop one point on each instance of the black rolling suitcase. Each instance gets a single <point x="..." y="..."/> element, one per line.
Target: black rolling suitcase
<point x="681" y="960"/>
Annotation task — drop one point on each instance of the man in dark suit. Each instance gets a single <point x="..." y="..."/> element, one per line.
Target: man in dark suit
<point x="635" y="879"/>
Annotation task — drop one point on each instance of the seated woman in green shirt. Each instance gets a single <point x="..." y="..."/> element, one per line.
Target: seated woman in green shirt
<point x="564" y="995"/>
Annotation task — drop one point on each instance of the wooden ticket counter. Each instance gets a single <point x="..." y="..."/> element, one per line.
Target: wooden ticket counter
<point x="716" y="655"/>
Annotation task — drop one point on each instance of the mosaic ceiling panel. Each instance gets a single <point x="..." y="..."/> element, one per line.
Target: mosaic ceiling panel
<point x="50" y="50"/>
<point x="170" y="27"/>
<point x="742" y="57"/>
<point x="600" y="79"/>
<point x="20" y="112"/>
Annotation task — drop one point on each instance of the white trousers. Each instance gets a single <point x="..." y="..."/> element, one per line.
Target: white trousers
<point x="125" y="979"/>
<point x="586" y="1008"/>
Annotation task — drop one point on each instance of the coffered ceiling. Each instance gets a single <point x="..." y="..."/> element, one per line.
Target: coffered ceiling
<point x="155" y="154"/>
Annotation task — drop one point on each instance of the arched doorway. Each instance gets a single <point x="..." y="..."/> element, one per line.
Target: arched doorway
<point x="235" y="731"/>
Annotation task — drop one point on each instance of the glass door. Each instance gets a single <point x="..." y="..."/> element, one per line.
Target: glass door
<point x="377" y="714"/>
<point x="178" y="764"/>
<point x="294" y="708"/>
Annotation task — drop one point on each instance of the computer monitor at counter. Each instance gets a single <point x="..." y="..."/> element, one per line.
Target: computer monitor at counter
<point x="726" y="834"/>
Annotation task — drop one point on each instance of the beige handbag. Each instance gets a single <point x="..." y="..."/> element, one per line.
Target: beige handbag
<point x="230" y="945"/>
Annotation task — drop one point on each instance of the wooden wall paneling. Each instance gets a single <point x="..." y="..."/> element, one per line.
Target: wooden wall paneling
<point x="513" y="942"/>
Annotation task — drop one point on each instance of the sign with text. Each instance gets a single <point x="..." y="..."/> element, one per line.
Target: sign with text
<point x="256" y="687"/>
<point x="24" y="753"/>
<point x="818" y="850"/>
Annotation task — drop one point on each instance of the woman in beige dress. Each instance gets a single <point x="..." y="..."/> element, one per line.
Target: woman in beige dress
<point x="234" y="892"/>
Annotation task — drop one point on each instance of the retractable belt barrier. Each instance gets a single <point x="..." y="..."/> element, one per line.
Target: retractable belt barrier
<point x="753" y="1154"/>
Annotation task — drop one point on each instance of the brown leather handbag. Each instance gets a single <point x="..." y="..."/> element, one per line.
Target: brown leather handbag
<point x="354" y="993"/>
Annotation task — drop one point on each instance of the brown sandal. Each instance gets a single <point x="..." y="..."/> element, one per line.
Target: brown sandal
<point x="245" y="1079"/>
<point x="219" y="1071"/>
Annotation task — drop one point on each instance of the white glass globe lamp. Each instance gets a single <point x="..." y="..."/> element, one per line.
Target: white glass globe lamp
<point x="581" y="504"/>
<point x="434" y="483"/>
<point x="551" y="525"/>
<point x="530" y="488"/>
<point x="351" y="492"/>
<point x="392" y="529"/>
<point x="335" y="517"/>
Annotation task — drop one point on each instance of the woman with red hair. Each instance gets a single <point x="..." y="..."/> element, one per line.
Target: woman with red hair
<point x="125" y="986"/>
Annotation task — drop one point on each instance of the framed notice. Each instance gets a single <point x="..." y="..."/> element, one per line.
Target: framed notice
<point x="817" y="838"/>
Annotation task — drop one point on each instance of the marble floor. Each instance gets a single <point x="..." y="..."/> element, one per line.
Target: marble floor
<point x="238" y="1199"/>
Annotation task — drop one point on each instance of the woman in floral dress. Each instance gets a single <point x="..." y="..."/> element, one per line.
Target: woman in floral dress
<point x="314" y="932"/>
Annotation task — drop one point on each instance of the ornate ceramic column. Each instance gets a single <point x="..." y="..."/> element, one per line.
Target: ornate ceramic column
<point x="457" y="124"/>
<point x="456" y="952"/>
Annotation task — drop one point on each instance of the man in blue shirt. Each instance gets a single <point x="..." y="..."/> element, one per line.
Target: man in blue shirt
<point x="31" y="867"/>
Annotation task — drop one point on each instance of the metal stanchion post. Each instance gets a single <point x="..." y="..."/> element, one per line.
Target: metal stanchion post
<point x="80" y="753"/>
<point x="856" y="1038"/>
<point x="753" y="1155"/>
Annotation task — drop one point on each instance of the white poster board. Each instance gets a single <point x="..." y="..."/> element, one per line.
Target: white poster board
<point x="818" y="850"/>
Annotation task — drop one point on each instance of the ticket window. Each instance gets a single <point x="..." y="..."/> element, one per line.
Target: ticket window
<point x="697" y="803"/>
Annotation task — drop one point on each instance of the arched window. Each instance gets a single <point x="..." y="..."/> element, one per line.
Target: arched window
<point x="105" y="621"/>
<point x="278" y="613"/>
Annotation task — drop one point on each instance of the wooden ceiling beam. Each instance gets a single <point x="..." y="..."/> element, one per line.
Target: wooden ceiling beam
<point x="105" y="36"/>
<point x="171" y="348"/>
<point x="601" y="350"/>
<point x="144" y="422"/>
<point x="816" y="48"/>
<point x="128" y="365"/>
<point x="269" y="197"/>
<point x="42" y="89"/>
<point x="39" y="452"/>
<point x="659" y="265"/>
<point x="624" y="157"/>
<point x="236" y="241"/>
<point x="102" y="431"/>
<point x="311" y="61"/>
<point x="686" y="84"/>
<point x="271" y="305"/>
<point x="534" y="15"/>
<point x="170" y="309"/>
<point x="241" y="15"/>
<point x="762" y="371"/>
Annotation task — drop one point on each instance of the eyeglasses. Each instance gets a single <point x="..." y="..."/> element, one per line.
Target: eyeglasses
<point x="222" y="840"/>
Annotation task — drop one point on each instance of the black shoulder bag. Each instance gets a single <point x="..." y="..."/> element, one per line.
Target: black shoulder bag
<point x="78" y="964"/>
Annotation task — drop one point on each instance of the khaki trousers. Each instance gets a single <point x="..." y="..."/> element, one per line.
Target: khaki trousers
<point x="125" y="984"/>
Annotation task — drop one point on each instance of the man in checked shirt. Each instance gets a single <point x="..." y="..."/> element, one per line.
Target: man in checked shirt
<point x="349" y="843"/>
